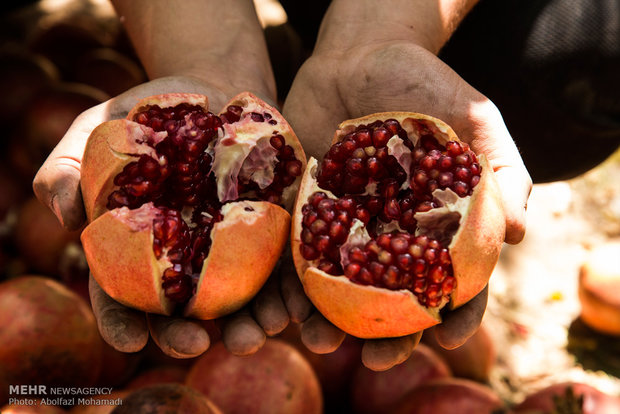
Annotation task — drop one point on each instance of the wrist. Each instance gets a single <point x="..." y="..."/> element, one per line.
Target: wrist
<point x="357" y="22"/>
<point x="221" y="46"/>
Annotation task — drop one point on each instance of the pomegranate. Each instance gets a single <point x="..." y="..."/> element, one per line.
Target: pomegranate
<point x="48" y="335"/>
<point x="104" y="404"/>
<point x="158" y="375"/>
<point x="186" y="207"/>
<point x="37" y="408"/>
<point x="167" y="398"/>
<point x="108" y="70"/>
<point x="449" y="396"/>
<point x="569" y="397"/>
<point x="48" y="115"/>
<point x="22" y="75"/>
<point x="63" y="38"/>
<point x="599" y="284"/>
<point x="40" y="239"/>
<point x="399" y="219"/>
<point x="117" y="367"/>
<point x="377" y="392"/>
<point x="334" y="370"/>
<point x="474" y="359"/>
<point x="276" y="379"/>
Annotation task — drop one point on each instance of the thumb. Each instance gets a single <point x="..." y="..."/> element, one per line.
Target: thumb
<point x="491" y="137"/>
<point x="57" y="183"/>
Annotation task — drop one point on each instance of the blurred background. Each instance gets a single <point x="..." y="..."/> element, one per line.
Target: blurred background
<point x="60" y="57"/>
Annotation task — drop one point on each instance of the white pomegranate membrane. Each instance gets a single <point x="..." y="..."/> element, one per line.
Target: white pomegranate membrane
<point x="364" y="225"/>
<point x="181" y="183"/>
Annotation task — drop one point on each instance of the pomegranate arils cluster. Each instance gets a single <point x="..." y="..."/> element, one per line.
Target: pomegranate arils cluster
<point x="180" y="176"/>
<point x="402" y="261"/>
<point x="454" y="166"/>
<point x="362" y="156"/>
<point x="373" y="186"/>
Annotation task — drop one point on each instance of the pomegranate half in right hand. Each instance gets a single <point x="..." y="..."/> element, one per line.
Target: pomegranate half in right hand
<point x="400" y="219"/>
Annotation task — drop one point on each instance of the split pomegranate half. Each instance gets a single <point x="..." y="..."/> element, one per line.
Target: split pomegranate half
<point x="398" y="220"/>
<point x="187" y="209"/>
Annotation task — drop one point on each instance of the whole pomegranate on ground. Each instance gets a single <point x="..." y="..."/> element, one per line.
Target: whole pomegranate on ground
<point x="398" y="220"/>
<point x="187" y="208"/>
<point x="378" y="392"/>
<point x="41" y="239"/>
<point x="599" y="289"/>
<point x="166" y="398"/>
<point x="473" y="360"/>
<point x="275" y="380"/>
<point x="569" y="397"/>
<point x="450" y="396"/>
<point x="48" y="335"/>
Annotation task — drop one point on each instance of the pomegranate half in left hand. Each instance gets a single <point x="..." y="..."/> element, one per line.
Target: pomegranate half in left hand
<point x="188" y="208"/>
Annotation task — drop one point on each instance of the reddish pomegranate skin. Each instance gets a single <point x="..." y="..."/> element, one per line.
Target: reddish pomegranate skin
<point x="173" y="187"/>
<point x="599" y="281"/>
<point x="158" y="375"/>
<point x="40" y="239"/>
<point x="378" y="392"/>
<point x="407" y="213"/>
<point x="594" y="401"/>
<point x="22" y="75"/>
<point x="117" y="367"/>
<point x="46" y="119"/>
<point x="473" y="360"/>
<point x="114" y="396"/>
<point x="276" y="379"/>
<point x="108" y="70"/>
<point x="334" y="370"/>
<point x="48" y="335"/>
<point x="167" y="398"/>
<point x="34" y="409"/>
<point x="449" y="396"/>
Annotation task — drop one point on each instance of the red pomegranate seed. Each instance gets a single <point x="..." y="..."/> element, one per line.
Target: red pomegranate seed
<point x="355" y="166"/>
<point x="338" y="232"/>
<point x="352" y="270"/>
<point x="319" y="227"/>
<point x="363" y="138"/>
<point x="308" y="252"/>
<point x="277" y="141"/>
<point x="391" y="209"/>
<point x="391" y="278"/>
<point x="405" y="261"/>
<point x="380" y="137"/>
<point x="356" y="254"/>
<point x="376" y="269"/>
<point x="460" y="188"/>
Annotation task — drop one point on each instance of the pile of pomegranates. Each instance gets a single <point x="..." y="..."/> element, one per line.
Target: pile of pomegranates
<point x="187" y="208"/>
<point x="399" y="219"/>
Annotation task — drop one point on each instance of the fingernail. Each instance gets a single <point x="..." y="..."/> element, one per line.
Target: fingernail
<point x="57" y="210"/>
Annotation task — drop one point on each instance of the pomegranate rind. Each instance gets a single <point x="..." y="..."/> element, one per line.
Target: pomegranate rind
<point x="370" y="312"/>
<point x="367" y="311"/>
<point x="360" y="310"/>
<point x="121" y="259"/>
<point x="476" y="246"/>
<point x="111" y="146"/>
<point x="599" y="283"/>
<point x="246" y="246"/>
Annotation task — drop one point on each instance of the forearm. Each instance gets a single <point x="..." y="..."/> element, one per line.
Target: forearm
<point x="428" y="23"/>
<point x="218" y="42"/>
